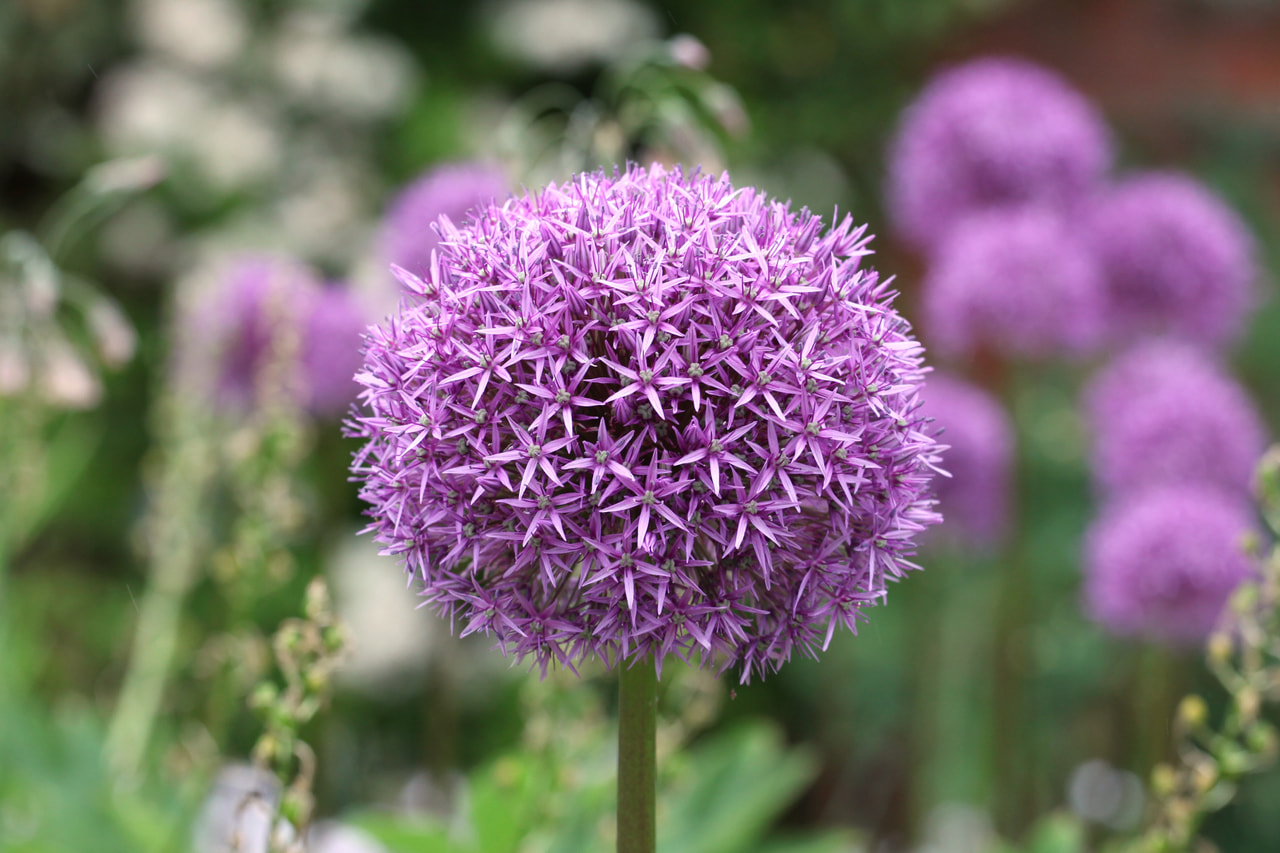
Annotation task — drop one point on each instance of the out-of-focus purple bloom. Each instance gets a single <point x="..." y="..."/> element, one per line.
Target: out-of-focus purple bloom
<point x="262" y="308"/>
<point x="647" y="412"/>
<point x="974" y="500"/>
<point x="1018" y="281"/>
<point x="1175" y="258"/>
<point x="1163" y="564"/>
<point x="1166" y="413"/>
<point x="331" y="349"/>
<point x="991" y="132"/>
<point x="452" y="190"/>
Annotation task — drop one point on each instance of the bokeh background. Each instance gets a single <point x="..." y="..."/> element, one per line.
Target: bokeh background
<point x="287" y="126"/>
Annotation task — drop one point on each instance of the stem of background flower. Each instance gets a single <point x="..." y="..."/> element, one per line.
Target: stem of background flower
<point x="637" y="758"/>
<point x="174" y="542"/>
<point x="1155" y="699"/>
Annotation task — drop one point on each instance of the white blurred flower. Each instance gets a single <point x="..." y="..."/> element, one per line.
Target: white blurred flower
<point x="15" y="373"/>
<point x="1100" y="793"/>
<point x="201" y="33"/>
<point x="113" y="335"/>
<point x="333" y="837"/>
<point x="125" y="174"/>
<point x="958" y="828"/>
<point x="392" y="638"/>
<point x="150" y="106"/>
<point x="361" y="77"/>
<point x="564" y="35"/>
<point x="323" y="207"/>
<point x="138" y="239"/>
<point x="235" y="145"/>
<point x="688" y="51"/>
<point x="66" y="381"/>
<point x="238" y="811"/>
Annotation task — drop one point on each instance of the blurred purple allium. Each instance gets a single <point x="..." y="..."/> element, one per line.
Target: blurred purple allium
<point x="1015" y="280"/>
<point x="647" y="412"/>
<point x="991" y="132"/>
<point x="331" y="349"/>
<point x="1175" y="259"/>
<point x="974" y="500"/>
<point x="262" y="307"/>
<point x="1165" y="413"/>
<point x="1163" y="564"/>
<point x="452" y="190"/>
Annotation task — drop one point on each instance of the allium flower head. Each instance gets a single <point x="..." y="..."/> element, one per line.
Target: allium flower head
<point x="1175" y="258"/>
<point x="1164" y="564"/>
<point x="992" y="132"/>
<point x="647" y="412"/>
<point x="452" y="190"/>
<point x="974" y="500"/>
<point x="1015" y="280"/>
<point x="261" y="308"/>
<point x="1166" y="413"/>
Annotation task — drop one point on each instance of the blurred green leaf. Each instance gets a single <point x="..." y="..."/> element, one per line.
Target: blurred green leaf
<point x="732" y="789"/>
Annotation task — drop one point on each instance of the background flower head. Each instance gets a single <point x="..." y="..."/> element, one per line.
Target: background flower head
<point x="1175" y="258"/>
<point x="452" y="190"/>
<point x="1019" y="281"/>
<point x="991" y="132"/>
<point x="647" y="412"/>
<point x="1165" y="413"/>
<point x="255" y="309"/>
<point x="1163" y="564"/>
<point x="979" y="441"/>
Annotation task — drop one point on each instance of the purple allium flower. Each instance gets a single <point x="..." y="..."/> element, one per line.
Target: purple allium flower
<point x="452" y="190"/>
<point x="261" y="307"/>
<point x="979" y="439"/>
<point x="331" y="349"/>
<point x="1164" y="564"/>
<point x="1175" y="258"/>
<point x="1166" y="413"/>
<point x="991" y="132"/>
<point x="647" y="412"/>
<point x="1015" y="280"/>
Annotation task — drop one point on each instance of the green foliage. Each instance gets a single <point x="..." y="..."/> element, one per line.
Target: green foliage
<point x="57" y="796"/>
<point x="721" y="796"/>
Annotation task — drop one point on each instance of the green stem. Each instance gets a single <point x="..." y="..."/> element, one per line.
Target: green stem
<point x="637" y="774"/>
<point x="176" y="546"/>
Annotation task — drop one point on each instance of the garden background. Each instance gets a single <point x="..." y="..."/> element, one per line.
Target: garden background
<point x="948" y="723"/>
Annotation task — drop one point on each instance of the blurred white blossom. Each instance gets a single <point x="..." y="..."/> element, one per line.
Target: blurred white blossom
<point x="1100" y="793"/>
<point x="237" y="814"/>
<point x="958" y="828"/>
<point x="201" y="33"/>
<point x="320" y="65"/>
<point x="564" y="35"/>
<point x="65" y="379"/>
<point x="392" y="641"/>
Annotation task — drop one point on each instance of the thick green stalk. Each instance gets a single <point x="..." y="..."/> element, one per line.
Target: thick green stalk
<point x="637" y="761"/>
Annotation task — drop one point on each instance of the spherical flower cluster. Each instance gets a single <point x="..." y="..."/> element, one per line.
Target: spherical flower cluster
<point x="989" y="133"/>
<point x="979" y="448"/>
<point x="1018" y="280"/>
<point x="1175" y="258"/>
<point x="1163" y="566"/>
<point x="1166" y="413"/>
<point x="261" y="308"/>
<point x="647" y="413"/>
<point x="453" y="190"/>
